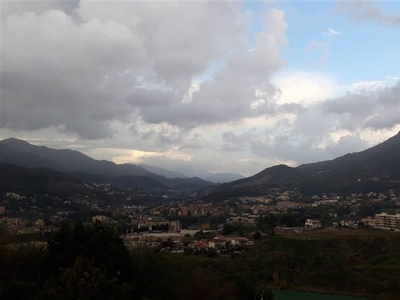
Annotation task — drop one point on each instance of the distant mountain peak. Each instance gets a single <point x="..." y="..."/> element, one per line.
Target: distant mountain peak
<point x="223" y="177"/>
<point x="14" y="140"/>
<point x="163" y="172"/>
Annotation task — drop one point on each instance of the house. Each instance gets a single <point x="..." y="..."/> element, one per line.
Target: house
<point x="198" y="245"/>
<point x="177" y="247"/>
<point x="15" y="196"/>
<point x="39" y="223"/>
<point x="312" y="224"/>
<point x="217" y="243"/>
<point x="174" y="226"/>
<point x="370" y="222"/>
<point x="237" y="241"/>
<point x="349" y="223"/>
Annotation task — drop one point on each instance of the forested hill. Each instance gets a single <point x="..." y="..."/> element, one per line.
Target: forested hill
<point x="21" y="153"/>
<point x="38" y="181"/>
<point x="375" y="169"/>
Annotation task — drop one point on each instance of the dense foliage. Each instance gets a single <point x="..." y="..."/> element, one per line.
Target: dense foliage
<point x="91" y="262"/>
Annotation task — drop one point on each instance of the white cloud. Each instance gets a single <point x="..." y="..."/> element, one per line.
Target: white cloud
<point x="331" y="33"/>
<point x="362" y="87"/>
<point x="304" y="88"/>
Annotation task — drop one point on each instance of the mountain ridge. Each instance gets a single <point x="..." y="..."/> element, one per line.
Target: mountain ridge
<point x="21" y="153"/>
<point x="347" y="173"/>
<point x="27" y="181"/>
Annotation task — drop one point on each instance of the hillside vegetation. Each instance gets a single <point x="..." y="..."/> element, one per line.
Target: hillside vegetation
<point x="84" y="262"/>
<point x="350" y="173"/>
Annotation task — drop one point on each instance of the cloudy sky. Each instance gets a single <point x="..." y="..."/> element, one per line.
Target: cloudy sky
<point x="221" y="86"/>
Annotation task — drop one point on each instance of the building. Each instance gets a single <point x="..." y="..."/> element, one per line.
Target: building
<point x="39" y="223"/>
<point x="386" y="221"/>
<point x="100" y="218"/>
<point x="152" y="223"/>
<point x="312" y="224"/>
<point x="217" y="243"/>
<point x="174" y="226"/>
<point x="349" y="223"/>
<point x="14" y="222"/>
<point x="245" y="219"/>
<point x="197" y="210"/>
<point x="238" y="241"/>
<point x="15" y="196"/>
<point x="177" y="247"/>
<point x="369" y="222"/>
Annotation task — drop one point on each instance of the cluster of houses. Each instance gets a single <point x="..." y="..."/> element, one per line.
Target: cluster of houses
<point x="185" y="241"/>
<point x="380" y="221"/>
<point x="201" y="209"/>
<point x="154" y="221"/>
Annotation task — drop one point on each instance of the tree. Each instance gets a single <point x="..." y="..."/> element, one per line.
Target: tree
<point x="288" y="221"/>
<point x="95" y="242"/>
<point x="257" y="235"/>
<point x="275" y="277"/>
<point x="4" y="235"/>
<point x="203" y="235"/>
<point x="205" y="284"/>
<point x="228" y="229"/>
<point x="87" y="262"/>
<point x="267" y="223"/>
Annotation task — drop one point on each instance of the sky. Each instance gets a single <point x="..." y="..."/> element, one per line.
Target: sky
<point x="221" y="86"/>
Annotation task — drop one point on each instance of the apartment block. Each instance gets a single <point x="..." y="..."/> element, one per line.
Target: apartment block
<point x="386" y="221"/>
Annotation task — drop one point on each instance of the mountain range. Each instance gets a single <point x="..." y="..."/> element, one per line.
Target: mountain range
<point x="203" y="174"/>
<point x="374" y="169"/>
<point x="163" y="172"/>
<point x="21" y="153"/>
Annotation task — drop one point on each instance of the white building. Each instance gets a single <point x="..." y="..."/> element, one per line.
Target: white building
<point x="312" y="224"/>
<point x="386" y="221"/>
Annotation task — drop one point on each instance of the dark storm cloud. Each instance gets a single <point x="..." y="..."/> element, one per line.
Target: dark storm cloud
<point x="83" y="65"/>
<point x="231" y="137"/>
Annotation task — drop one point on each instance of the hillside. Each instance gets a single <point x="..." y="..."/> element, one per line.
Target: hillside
<point x="223" y="177"/>
<point x="374" y="169"/>
<point x="89" y="170"/>
<point x="42" y="181"/>
<point x="204" y="175"/>
<point x="163" y="172"/>
<point x="382" y="160"/>
<point x="22" y="153"/>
